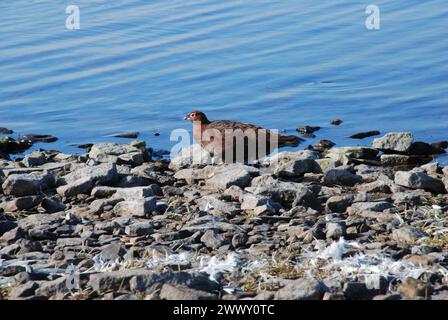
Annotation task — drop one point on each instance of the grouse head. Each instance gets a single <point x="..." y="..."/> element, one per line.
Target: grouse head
<point x="197" y="116"/>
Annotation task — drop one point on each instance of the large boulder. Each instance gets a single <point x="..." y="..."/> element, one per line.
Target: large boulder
<point x="80" y="186"/>
<point x="20" y="185"/>
<point x="105" y="173"/>
<point x="139" y="208"/>
<point x="117" y="153"/>
<point x="394" y="141"/>
<point x="419" y="180"/>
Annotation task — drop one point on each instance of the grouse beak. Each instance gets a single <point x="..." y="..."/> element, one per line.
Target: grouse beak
<point x="187" y="117"/>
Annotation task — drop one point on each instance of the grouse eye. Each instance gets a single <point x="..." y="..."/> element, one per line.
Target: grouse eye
<point x="193" y="115"/>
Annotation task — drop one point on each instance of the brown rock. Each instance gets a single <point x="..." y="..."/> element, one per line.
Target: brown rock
<point x="413" y="288"/>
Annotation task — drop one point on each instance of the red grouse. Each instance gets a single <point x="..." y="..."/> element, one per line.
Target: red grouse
<point x="233" y="141"/>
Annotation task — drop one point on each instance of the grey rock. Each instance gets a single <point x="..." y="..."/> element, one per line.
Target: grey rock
<point x="351" y="153"/>
<point x="327" y="164"/>
<point x="387" y="297"/>
<point x="103" y="191"/>
<point x="80" y="186"/>
<point x="12" y="235"/>
<point x="39" y="234"/>
<point x="216" y="206"/>
<point x="6" y="226"/>
<point x="112" y="281"/>
<point x="358" y="291"/>
<point x="410" y="197"/>
<point x="295" y="168"/>
<point x="139" y="229"/>
<point x="341" y="177"/>
<point x="359" y="207"/>
<point x="211" y="222"/>
<point x="105" y="173"/>
<point x="113" y="252"/>
<point x="432" y="168"/>
<point x="107" y="226"/>
<point x="98" y="206"/>
<point x="235" y="193"/>
<point x="20" y="185"/>
<point x="52" y="205"/>
<point x="41" y="220"/>
<point x="306" y="198"/>
<point x="147" y="281"/>
<point x="239" y="240"/>
<point x="407" y="235"/>
<point x="130" y="182"/>
<point x="419" y="180"/>
<point x="22" y="203"/>
<point x="138" y="208"/>
<point x="170" y="292"/>
<point x="251" y="201"/>
<point x="445" y="171"/>
<point x="286" y="156"/>
<point x="301" y="289"/>
<point x="138" y="192"/>
<point x="69" y="242"/>
<point x="51" y="288"/>
<point x="339" y="203"/>
<point x="335" y="230"/>
<point x="191" y="156"/>
<point x="24" y="290"/>
<point x="128" y="296"/>
<point x="231" y="175"/>
<point x="212" y="239"/>
<point x="394" y="141"/>
<point x="12" y="270"/>
<point x="190" y="175"/>
<point x="378" y="186"/>
<point x="391" y="160"/>
<point x="278" y="190"/>
<point x="34" y="159"/>
<point x="134" y="158"/>
<point x="192" y="280"/>
<point x="116" y="153"/>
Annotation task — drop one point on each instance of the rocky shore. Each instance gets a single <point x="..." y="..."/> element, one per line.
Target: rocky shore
<point x="325" y="223"/>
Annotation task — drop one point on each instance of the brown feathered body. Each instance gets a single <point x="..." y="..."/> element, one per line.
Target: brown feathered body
<point x="233" y="141"/>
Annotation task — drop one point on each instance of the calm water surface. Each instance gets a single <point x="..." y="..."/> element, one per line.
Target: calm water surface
<point x="141" y="65"/>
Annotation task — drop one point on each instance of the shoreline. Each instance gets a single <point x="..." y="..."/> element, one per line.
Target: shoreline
<point x="329" y="223"/>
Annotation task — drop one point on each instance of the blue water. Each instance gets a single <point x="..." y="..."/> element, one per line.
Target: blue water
<point x="142" y="65"/>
